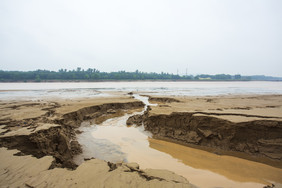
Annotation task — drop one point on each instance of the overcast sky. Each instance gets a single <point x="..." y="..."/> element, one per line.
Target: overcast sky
<point x="202" y="36"/>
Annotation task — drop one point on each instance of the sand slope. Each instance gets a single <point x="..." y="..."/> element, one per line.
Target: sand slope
<point x="28" y="171"/>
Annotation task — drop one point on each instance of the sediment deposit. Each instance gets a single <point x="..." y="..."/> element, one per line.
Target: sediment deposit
<point x="28" y="171"/>
<point x="250" y="126"/>
<point x="49" y="129"/>
<point x="46" y="129"/>
<point x="42" y="137"/>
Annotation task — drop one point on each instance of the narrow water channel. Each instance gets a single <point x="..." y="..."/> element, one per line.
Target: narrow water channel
<point x="115" y="142"/>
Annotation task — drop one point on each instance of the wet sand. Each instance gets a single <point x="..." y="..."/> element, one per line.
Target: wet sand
<point x="21" y="118"/>
<point x="115" y="142"/>
<point x="250" y="126"/>
<point x="27" y="171"/>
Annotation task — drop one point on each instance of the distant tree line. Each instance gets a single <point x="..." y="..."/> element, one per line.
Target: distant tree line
<point x="95" y="75"/>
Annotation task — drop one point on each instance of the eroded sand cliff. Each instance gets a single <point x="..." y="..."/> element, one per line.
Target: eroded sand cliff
<point x="46" y="130"/>
<point x="244" y="126"/>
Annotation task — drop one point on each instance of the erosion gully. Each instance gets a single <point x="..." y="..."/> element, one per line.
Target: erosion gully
<point x="114" y="141"/>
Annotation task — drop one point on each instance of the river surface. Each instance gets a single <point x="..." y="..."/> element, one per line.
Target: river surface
<point x="114" y="141"/>
<point x="98" y="89"/>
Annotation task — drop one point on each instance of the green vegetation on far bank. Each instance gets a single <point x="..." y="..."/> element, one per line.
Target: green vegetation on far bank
<point x="95" y="75"/>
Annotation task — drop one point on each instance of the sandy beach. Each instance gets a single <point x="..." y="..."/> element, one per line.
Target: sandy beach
<point x="38" y="138"/>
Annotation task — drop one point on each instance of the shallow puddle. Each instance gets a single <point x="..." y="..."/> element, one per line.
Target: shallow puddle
<point x="114" y="141"/>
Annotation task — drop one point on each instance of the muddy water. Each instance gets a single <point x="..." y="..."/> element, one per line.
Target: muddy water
<point x="100" y="89"/>
<point x="114" y="141"/>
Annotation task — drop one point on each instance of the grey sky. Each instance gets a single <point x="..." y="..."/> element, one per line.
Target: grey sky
<point x="205" y="36"/>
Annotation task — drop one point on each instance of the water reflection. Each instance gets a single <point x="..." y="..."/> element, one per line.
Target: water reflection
<point x="102" y="148"/>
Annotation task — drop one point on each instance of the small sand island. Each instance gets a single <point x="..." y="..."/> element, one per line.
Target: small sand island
<point x="38" y="139"/>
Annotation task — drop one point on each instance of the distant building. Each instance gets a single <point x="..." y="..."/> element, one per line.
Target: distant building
<point x="208" y="78"/>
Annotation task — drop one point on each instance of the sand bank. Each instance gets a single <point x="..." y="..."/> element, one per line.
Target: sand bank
<point x="247" y="126"/>
<point x="45" y="129"/>
<point x="27" y="171"/>
<point x="244" y="126"/>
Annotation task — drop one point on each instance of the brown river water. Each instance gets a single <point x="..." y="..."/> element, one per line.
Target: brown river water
<point x="114" y="141"/>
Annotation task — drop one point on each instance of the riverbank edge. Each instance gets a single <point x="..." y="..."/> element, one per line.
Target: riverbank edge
<point x="64" y="129"/>
<point x="257" y="139"/>
<point x="57" y="138"/>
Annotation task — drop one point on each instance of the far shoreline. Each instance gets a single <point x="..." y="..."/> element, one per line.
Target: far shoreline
<point x="98" y="81"/>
